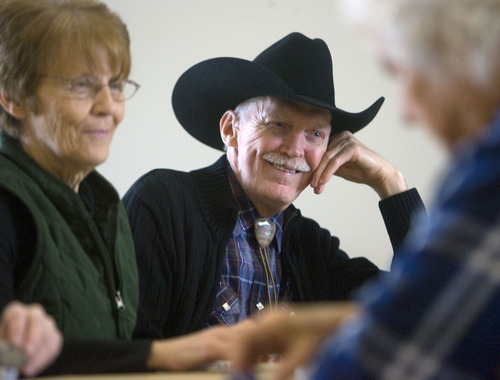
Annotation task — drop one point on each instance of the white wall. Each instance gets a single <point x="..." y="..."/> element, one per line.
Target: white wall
<point x="170" y="36"/>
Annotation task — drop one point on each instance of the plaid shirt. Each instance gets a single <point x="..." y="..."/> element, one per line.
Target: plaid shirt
<point x="244" y="287"/>
<point x="437" y="314"/>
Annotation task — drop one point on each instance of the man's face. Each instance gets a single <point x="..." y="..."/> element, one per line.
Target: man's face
<point x="277" y="146"/>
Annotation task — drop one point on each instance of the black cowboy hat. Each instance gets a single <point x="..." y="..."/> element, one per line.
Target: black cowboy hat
<point x="295" y="68"/>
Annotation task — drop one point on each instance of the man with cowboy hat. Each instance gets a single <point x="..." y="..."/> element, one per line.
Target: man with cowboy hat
<point x="222" y="243"/>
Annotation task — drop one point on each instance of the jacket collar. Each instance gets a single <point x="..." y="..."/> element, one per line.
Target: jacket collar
<point x="217" y="203"/>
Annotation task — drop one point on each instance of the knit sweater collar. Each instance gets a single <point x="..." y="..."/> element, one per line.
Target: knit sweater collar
<point x="217" y="203"/>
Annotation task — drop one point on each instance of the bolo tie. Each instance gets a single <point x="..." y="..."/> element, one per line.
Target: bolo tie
<point x="264" y="232"/>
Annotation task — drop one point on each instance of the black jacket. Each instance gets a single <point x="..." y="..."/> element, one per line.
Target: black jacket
<point x="181" y="224"/>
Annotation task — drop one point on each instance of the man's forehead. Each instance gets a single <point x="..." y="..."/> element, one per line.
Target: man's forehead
<point x="283" y="107"/>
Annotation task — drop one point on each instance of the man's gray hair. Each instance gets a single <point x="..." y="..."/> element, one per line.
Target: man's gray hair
<point x="449" y="39"/>
<point x="245" y="108"/>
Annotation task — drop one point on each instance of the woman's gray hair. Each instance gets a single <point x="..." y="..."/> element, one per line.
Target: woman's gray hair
<point x="448" y="39"/>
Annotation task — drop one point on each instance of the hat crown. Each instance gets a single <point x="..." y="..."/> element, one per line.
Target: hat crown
<point x="296" y="68"/>
<point x="304" y="64"/>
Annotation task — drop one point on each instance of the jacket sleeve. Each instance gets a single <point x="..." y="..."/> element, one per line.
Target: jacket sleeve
<point x="318" y="269"/>
<point x="322" y="271"/>
<point x="398" y="212"/>
<point x="85" y="356"/>
<point x="143" y="208"/>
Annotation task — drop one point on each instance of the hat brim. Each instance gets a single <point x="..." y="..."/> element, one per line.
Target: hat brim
<point x="210" y="88"/>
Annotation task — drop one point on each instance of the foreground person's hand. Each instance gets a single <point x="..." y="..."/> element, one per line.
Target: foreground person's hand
<point x="296" y="338"/>
<point x="30" y="329"/>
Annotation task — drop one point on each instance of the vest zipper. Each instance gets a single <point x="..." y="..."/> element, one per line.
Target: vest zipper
<point x="119" y="300"/>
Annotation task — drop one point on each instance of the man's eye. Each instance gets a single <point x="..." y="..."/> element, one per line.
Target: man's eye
<point x="275" y="124"/>
<point x="316" y="136"/>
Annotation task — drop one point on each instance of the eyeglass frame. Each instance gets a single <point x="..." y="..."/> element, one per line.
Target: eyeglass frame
<point x="96" y="86"/>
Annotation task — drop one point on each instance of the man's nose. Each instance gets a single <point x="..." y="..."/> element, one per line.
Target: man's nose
<point x="294" y="144"/>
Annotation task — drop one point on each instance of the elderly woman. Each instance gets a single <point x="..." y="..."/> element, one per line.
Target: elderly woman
<point x="65" y="241"/>
<point x="436" y="315"/>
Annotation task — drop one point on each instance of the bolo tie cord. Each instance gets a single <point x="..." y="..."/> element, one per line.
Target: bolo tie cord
<point x="264" y="232"/>
<point x="269" y="274"/>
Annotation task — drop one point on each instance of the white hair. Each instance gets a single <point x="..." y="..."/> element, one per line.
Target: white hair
<point x="449" y="39"/>
<point x="244" y="109"/>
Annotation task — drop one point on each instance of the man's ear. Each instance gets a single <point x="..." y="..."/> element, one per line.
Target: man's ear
<point x="229" y="129"/>
<point x="12" y="107"/>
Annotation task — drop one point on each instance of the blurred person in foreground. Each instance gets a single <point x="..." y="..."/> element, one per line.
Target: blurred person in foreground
<point x="29" y="328"/>
<point x="65" y="240"/>
<point x="435" y="316"/>
<point x="221" y="243"/>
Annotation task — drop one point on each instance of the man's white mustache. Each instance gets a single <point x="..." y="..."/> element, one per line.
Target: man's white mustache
<point x="295" y="164"/>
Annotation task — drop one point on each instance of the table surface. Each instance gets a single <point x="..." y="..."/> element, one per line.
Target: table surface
<point x="263" y="372"/>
